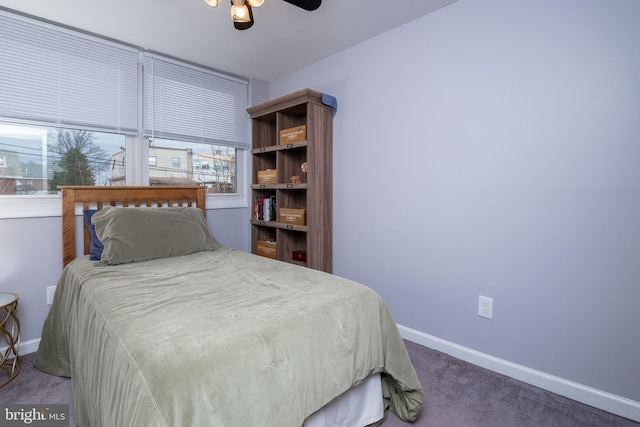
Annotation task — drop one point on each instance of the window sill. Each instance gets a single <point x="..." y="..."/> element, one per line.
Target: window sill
<point x="30" y="206"/>
<point x="51" y="206"/>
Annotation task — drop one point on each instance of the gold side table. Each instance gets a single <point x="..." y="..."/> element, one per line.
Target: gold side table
<point x="10" y="330"/>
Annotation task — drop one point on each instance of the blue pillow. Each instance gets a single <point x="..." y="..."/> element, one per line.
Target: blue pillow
<point x="95" y="247"/>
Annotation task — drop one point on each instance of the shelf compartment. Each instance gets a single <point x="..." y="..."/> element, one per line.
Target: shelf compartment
<point x="291" y="198"/>
<point x="263" y="233"/>
<point x="255" y="208"/>
<point x="291" y="118"/>
<point x="289" y="241"/>
<point x="263" y="131"/>
<point x="290" y="162"/>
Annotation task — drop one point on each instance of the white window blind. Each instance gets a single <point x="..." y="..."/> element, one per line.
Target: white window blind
<point x="54" y="76"/>
<point x="189" y="103"/>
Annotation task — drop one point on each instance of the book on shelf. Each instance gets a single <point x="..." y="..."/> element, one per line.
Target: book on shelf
<point x="266" y="203"/>
<point x="272" y="208"/>
<point x="265" y="208"/>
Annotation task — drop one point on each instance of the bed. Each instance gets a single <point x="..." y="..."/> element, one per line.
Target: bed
<point x="167" y="327"/>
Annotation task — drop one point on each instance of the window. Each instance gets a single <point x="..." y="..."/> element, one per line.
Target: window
<point x="38" y="159"/>
<point x="196" y="124"/>
<point x="212" y="166"/>
<point x="60" y="86"/>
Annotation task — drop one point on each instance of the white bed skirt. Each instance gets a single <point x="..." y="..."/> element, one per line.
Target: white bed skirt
<point x="358" y="407"/>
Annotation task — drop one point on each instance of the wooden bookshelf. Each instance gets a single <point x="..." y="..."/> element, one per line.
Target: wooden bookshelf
<point x="312" y="192"/>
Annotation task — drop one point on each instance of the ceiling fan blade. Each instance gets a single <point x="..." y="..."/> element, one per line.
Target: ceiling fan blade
<point x="306" y="4"/>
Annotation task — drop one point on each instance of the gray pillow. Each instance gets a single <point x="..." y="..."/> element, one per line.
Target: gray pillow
<point x="138" y="234"/>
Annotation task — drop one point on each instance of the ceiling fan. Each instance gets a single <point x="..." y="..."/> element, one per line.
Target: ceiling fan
<point x="242" y="16"/>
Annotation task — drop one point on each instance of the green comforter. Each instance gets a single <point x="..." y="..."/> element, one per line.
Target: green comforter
<point x="220" y="338"/>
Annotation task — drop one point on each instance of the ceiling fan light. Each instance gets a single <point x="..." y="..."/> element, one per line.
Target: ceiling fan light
<point x="255" y="3"/>
<point x="212" y="3"/>
<point x="240" y="13"/>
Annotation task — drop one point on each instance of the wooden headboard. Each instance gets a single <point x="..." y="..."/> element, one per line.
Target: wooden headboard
<point x="88" y="197"/>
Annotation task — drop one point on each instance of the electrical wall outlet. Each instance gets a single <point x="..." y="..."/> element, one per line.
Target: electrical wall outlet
<point x="485" y="307"/>
<point x="51" y="290"/>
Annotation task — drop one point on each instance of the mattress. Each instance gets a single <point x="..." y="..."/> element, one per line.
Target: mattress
<point x="360" y="406"/>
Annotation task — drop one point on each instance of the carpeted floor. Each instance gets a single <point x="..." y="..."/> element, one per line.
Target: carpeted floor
<point x="457" y="394"/>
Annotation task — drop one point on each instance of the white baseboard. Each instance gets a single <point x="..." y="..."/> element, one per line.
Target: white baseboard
<point x="25" y="347"/>
<point x="599" y="399"/>
<point x="30" y="346"/>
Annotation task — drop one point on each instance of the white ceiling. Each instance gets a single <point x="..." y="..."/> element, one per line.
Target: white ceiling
<point x="283" y="39"/>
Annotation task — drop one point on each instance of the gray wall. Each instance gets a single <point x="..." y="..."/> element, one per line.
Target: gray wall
<point x="492" y="148"/>
<point x="31" y="259"/>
